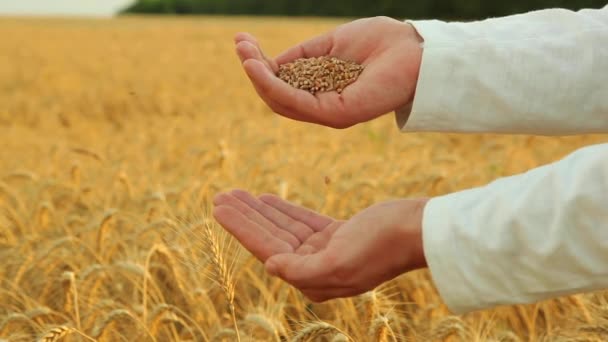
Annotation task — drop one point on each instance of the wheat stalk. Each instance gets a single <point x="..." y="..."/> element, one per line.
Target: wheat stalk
<point x="164" y="314"/>
<point x="272" y="327"/>
<point x="22" y="174"/>
<point x="370" y="303"/>
<point x="76" y="175"/>
<point x="220" y="266"/>
<point x="88" y="153"/>
<point x="379" y="329"/>
<point x="340" y="338"/>
<point x="104" y="227"/>
<point x="224" y="334"/>
<point x="16" y="318"/>
<point x="56" y="334"/>
<point x="315" y="330"/>
<point x="115" y="316"/>
<point x="71" y="295"/>
<point x="448" y="326"/>
<point x="507" y="336"/>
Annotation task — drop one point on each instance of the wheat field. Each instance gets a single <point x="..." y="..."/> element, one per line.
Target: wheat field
<point x="115" y="135"/>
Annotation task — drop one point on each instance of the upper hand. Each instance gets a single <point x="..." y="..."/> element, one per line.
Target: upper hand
<point x="323" y="257"/>
<point x="389" y="49"/>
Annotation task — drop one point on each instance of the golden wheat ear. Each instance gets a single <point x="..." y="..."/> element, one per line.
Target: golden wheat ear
<point x="315" y="331"/>
<point x="55" y="334"/>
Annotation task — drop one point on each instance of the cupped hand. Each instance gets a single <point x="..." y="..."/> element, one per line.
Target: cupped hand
<point x="389" y="49"/>
<point x="323" y="257"/>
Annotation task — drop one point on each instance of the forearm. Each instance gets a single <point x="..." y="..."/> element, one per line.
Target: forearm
<point x="522" y="239"/>
<point x="542" y="72"/>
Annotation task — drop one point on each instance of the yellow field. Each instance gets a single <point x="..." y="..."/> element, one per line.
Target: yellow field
<point x="116" y="133"/>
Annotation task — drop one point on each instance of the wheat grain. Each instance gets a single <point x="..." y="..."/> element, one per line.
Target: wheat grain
<point x="320" y="74"/>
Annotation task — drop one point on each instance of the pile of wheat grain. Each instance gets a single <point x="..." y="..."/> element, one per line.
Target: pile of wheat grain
<point x="320" y="74"/>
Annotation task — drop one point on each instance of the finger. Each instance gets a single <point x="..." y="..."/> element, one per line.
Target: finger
<point x="286" y="111"/>
<point x="247" y="50"/>
<point x="306" y="249"/>
<point x="295" y="103"/>
<point x="301" y="271"/>
<point x="315" y="47"/>
<point x="259" y="241"/>
<point x="227" y="199"/>
<point x="241" y="36"/>
<point x="247" y="37"/>
<point x="323" y="295"/>
<point x="310" y="218"/>
<point x="319" y="240"/>
<point x="282" y="221"/>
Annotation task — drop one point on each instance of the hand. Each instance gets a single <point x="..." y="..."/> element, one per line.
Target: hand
<point x="389" y="49"/>
<point x="323" y="257"/>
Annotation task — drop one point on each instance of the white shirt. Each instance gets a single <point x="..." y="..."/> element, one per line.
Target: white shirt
<point x="544" y="233"/>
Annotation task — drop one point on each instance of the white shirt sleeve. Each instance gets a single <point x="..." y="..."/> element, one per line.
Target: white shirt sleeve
<point x="523" y="238"/>
<point x="536" y="235"/>
<point x="543" y="72"/>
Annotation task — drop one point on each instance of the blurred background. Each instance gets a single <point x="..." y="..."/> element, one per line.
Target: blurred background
<point x="117" y="128"/>
<point x="445" y="9"/>
<point x="468" y="9"/>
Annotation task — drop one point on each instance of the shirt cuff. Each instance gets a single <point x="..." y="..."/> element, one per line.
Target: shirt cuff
<point x="443" y="253"/>
<point x="425" y="114"/>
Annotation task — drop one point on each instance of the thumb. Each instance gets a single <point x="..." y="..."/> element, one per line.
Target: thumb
<point x="275" y="263"/>
<point x="304" y="271"/>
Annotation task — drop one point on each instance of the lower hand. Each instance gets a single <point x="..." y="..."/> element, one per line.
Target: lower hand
<point x="323" y="257"/>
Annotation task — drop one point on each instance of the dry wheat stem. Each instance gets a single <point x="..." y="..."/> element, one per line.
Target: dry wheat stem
<point x="72" y="291"/>
<point x="222" y="270"/>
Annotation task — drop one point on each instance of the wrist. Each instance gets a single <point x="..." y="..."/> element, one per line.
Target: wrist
<point x="413" y="50"/>
<point x="416" y="244"/>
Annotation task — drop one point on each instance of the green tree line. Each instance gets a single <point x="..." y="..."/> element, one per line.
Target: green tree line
<point x="462" y="9"/>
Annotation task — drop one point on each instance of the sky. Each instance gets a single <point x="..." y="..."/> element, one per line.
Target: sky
<point x="62" y="7"/>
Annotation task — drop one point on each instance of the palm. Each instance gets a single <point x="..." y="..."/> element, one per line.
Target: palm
<point x="268" y="225"/>
<point x="388" y="49"/>
<point x="319" y="255"/>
